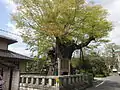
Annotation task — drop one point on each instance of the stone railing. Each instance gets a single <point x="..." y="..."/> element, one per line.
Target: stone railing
<point x="67" y="82"/>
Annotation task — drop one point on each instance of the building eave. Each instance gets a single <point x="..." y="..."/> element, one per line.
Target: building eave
<point x="14" y="56"/>
<point x="7" y="39"/>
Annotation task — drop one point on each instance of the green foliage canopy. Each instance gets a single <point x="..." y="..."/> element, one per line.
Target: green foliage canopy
<point x="41" y="21"/>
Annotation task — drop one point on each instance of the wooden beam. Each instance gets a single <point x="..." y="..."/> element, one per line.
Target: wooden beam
<point x="7" y="64"/>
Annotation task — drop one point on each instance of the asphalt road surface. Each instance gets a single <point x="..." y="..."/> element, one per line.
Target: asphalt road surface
<point x="109" y="83"/>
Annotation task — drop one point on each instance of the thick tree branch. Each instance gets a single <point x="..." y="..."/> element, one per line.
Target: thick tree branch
<point x="84" y="44"/>
<point x="66" y="49"/>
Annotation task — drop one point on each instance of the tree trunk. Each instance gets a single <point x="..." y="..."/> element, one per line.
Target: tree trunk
<point x="63" y="51"/>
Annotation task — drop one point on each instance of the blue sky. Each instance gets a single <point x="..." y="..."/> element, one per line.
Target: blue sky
<point x="6" y="7"/>
<point x="4" y="15"/>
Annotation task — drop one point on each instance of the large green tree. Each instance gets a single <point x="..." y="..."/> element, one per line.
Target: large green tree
<point x="63" y="25"/>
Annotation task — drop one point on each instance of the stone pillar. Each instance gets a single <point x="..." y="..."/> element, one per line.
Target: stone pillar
<point x="69" y="63"/>
<point x="59" y="66"/>
<point x="32" y="80"/>
<point x="15" y="79"/>
<point x="37" y="81"/>
<point x="43" y="81"/>
<point x="26" y="80"/>
<point x="6" y="78"/>
<point x="69" y="80"/>
<point x="50" y="81"/>
<point x="65" y="66"/>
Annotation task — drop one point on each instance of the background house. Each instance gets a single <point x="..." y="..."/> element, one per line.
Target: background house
<point x="11" y="64"/>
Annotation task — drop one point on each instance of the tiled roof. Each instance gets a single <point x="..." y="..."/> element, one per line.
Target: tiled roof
<point x="10" y="54"/>
<point x="7" y="39"/>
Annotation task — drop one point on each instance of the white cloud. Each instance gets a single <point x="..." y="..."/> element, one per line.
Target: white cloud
<point x="113" y="7"/>
<point x="16" y="32"/>
<point x="10" y="5"/>
<point x="118" y="22"/>
<point x="18" y="47"/>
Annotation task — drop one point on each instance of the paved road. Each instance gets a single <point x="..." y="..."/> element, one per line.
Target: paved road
<point x="109" y="83"/>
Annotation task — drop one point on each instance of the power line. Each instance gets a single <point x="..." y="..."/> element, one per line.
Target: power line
<point x="9" y="32"/>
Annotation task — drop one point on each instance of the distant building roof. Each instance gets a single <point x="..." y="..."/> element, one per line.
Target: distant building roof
<point x="7" y="39"/>
<point x="13" y="55"/>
